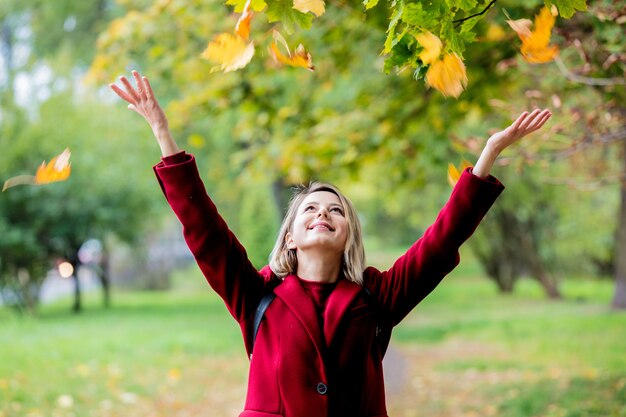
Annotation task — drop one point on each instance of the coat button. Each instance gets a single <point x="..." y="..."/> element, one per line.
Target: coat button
<point x="322" y="388"/>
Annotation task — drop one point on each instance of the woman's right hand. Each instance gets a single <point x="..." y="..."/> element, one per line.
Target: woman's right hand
<point x="142" y="101"/>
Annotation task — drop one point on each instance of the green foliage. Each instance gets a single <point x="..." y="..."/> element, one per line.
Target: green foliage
<point x="256" y="5"/>
<point x="567" y="8"/>
<point x="385" y="140"/>
<point x="47" y="222"/>
<point x="283" y="11"/>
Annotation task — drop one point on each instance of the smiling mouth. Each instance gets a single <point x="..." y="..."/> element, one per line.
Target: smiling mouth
<point x="321" y="226"/>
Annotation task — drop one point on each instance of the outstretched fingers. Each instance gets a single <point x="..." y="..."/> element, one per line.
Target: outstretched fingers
<point x="528" y="120"/>
<point x="148" y="87"/>
<point x="516" y="124"/>
<point x="541" y="119"/>
<point x="141" y="89"/>
<point x="122" y="94"/>
<point x="130" y="90"/>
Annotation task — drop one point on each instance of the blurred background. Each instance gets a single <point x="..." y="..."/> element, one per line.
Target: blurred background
<point x="102" y="309"/>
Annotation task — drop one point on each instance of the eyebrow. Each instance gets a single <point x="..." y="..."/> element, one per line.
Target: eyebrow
<point x="317" y="204"/>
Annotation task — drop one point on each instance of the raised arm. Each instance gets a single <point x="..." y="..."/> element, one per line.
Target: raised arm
<point x="415" y="274"/>
<point x="142" y="101"/>
<point x="525" y="124"/>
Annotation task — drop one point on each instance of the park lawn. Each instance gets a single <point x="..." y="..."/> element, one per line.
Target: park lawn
<point x="464" y="351"/>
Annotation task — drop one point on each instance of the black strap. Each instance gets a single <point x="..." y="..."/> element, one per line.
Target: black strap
<point x="260" y="312"/>
<point x="383" y="329"/>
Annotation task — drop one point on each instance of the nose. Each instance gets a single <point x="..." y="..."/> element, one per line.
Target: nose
<point x="322" y="212"/>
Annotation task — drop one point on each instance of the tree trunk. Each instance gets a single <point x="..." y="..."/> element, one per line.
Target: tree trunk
<point x="282" y="196"/>
<point x="619" y="298"/>
<point x="536" y="265"/>
<point x="103" y="274"/>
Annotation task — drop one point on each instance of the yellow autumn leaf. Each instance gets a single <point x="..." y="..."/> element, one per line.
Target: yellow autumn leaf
<point x="58" y="169"/>
<point x="454" y="174"/>
<point x="536" y="46"/>
<point x="447" y="75"/>
<point x="299" y="58"/>
<point x="432" y="47"/>
<point x="315" y="6"/>
<point x="242" y="28"/>
<point x="231" y="52"/>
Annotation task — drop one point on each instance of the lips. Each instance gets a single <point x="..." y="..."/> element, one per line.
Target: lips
<point x="321" y="225"/>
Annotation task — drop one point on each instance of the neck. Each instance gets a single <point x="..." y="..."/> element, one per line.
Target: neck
<point x="319" y="267"/>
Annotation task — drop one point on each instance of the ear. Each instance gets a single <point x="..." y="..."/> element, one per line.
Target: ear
<point x="289" y="243"/>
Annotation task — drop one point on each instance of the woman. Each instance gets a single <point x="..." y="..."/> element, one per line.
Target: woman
<point x="318" y="352"/>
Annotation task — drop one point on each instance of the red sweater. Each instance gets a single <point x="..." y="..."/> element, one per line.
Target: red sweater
<point x="301" y="367"/>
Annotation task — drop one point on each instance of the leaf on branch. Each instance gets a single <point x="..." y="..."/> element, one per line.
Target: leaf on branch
<point x="283" y="11"/>
<point x="535" y="43"/>
<point x="432" y="47"/>
<point x="391" y="30"/>
<point x="58" y="169"/>
<point x="314" y="6"/>
<point x="299" y="58"/>
<point x="447" y="75"/>
<point x="230" y="52"/>
<point x="240" y="5"/>
<point x="370" y="3"/>
<point x="567" y="8"/>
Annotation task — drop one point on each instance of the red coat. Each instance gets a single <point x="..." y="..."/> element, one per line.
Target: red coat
<point x="299" y="369"/>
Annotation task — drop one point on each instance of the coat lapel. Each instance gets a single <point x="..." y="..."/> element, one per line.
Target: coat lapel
<point x="301" y="305"/>
<point x="338" y="302"/>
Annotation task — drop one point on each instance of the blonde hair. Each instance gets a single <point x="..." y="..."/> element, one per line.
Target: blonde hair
<point x="283" y="261"/>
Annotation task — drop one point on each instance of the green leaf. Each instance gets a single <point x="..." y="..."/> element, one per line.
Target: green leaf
<point x="256" y="5"/>
<point x="283" y="11"/>
<point x="370" y="3"/>
<point x="391" y="30"/>
<point x="401" y="54"/>
<point x="414" y="14"/>
<point x="567" y="8"/>
<point x="420" y="72"/>
<point x="465" y="5"/>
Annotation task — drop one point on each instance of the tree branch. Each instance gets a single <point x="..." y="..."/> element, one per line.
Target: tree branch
<point x="459" y="21"/>
<point x="586" y="80"/>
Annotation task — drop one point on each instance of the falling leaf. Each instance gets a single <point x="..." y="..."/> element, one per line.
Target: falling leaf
<point x="432" y="47"/>
<point x="242" y="29"/>
<point x="454" y="174"/>
<point x="58" y="169"/>
<point x="521" y="27"/>
<point x="231" y="52"/>
<point x="299" y="58"/>
<point x="536" y="46"/>
<point x="315" y="6"/>
<point x="447" y="75"/>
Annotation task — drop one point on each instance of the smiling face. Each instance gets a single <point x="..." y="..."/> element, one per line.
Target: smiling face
<point x="320" y="224"/>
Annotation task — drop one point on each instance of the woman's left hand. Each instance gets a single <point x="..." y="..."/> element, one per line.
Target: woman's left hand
<point x="526" y="123"/>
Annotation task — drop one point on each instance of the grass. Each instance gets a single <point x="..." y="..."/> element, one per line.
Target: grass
<point x="465" y="351"/>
